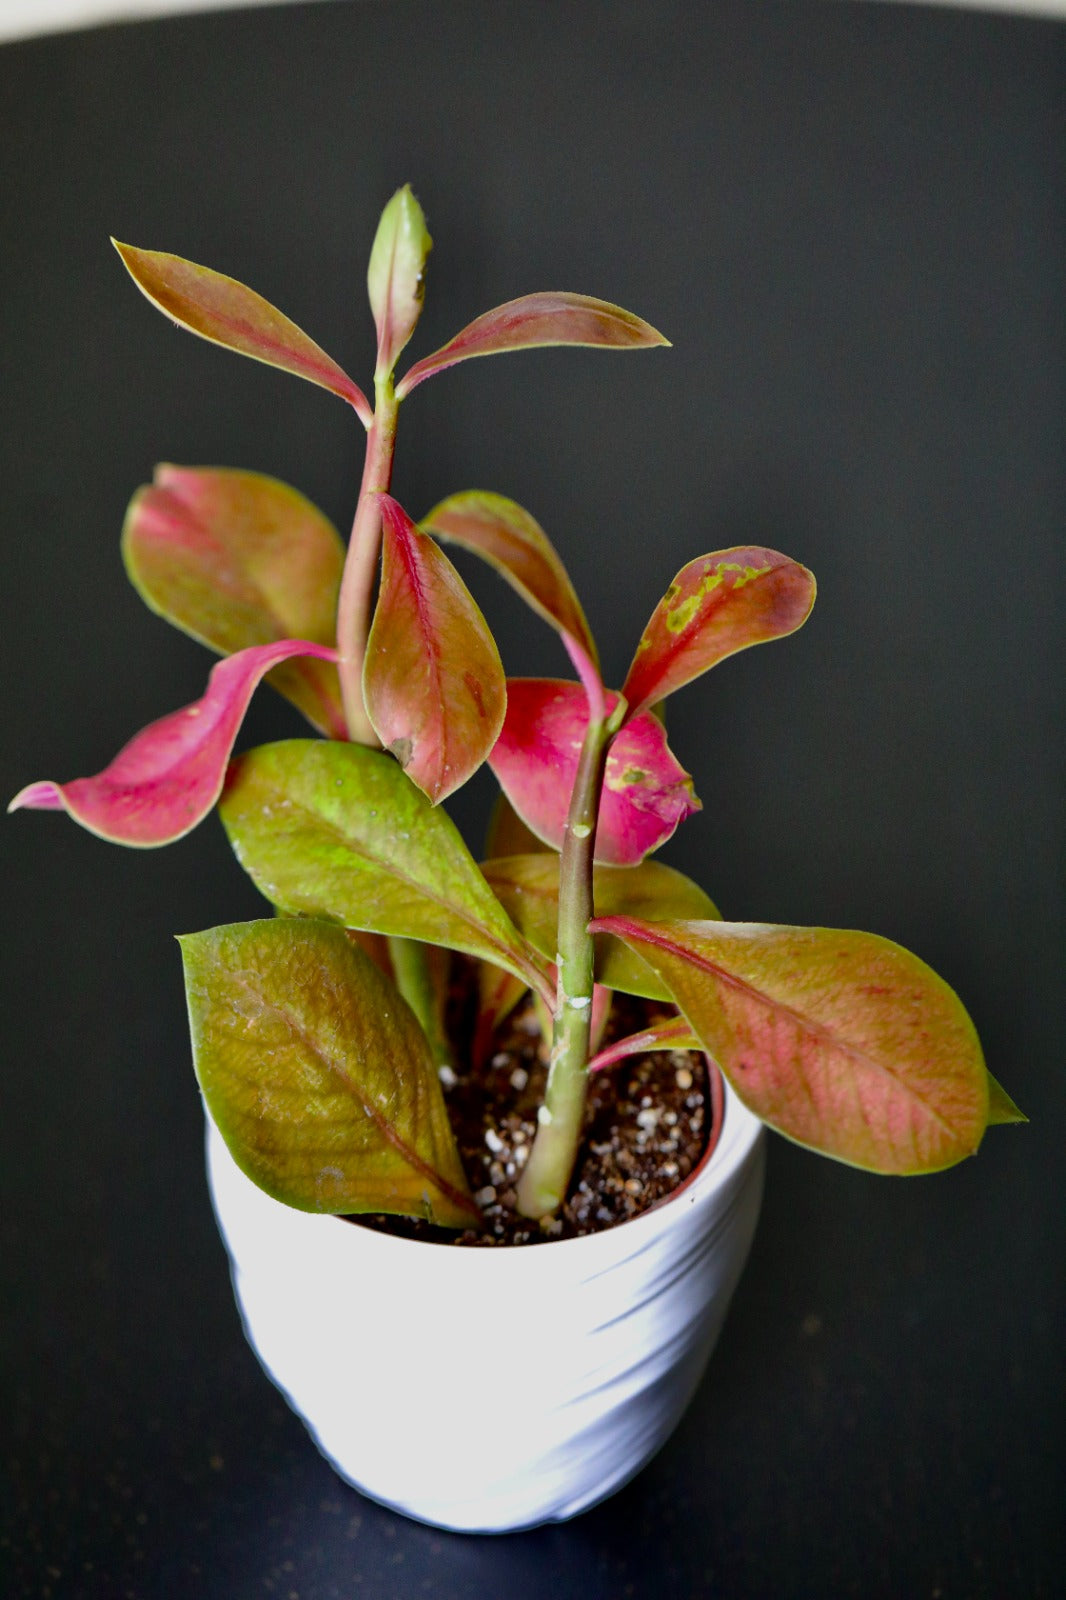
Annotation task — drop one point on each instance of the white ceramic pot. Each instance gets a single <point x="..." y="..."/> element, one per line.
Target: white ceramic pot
<point x="492" y="1389"/>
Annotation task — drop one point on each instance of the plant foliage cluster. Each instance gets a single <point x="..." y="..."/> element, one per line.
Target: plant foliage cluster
<point x="317" y="1033"/>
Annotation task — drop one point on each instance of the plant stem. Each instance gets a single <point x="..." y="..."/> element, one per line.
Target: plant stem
<point x="361" y="563"/>
<point x="561" y="1117"/>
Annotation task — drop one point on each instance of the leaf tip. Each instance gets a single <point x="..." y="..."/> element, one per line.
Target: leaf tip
<point x="126" y="252"/>
<point x="41" y="796"/>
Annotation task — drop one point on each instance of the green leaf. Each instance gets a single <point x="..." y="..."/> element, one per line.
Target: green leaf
<point x="433" y="681"/>
<point x="528" y="886"/>
<point x="716" y="605"/>
<point x="317" y="1074"/>
<point x="1001" y="1107"/>
<point x="394" y="277"/>
<point x="238" y="559"/>
<point x="535" y="320"/>
<point x="228" y="313"/>
<point x="338" y="831"/>
<point x="511" y="541"/>
<point x="841" y="1041"/>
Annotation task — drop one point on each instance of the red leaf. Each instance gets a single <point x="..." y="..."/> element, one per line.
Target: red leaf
<point x="716" y="605"/>
<point x="645" y="793"/>
<point x="228" y="313"/>
<point x="533" y="320"/>
<point x="168" y="777"/>
<point x="509" y="539"/>
<point x="433" y="682"/>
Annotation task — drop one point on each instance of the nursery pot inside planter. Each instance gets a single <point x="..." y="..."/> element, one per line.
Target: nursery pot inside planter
<point x="391" y="1348"/>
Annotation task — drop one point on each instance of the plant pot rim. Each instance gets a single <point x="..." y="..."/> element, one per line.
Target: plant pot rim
<point x="740" y="1133"/>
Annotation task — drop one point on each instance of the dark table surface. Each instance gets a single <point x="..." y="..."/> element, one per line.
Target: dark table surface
<point x="849" y="219"/>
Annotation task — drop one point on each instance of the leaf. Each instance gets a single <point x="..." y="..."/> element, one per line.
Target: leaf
<point x="528" y="888"/>
<point x="507" y="834"/>
<point x="645" y="792"/>
<point x="228" y="313"/>
<point x="842" y="1041"/>
<point x="422" y="974"/>
<point x="238" y="559"/>
<point x="394" y="278"/>
<point x="168" y="777"/>
<point x="1001" y="1107"/>
<point x="337" y="831"/>
<point x="510" y="540"/>
<point x="432" y="678"/>
<point x="535" y="320"/>
<point x="716" y="605"/>
<point x="317" y="1074"/>
<point x="673" y="1033"/>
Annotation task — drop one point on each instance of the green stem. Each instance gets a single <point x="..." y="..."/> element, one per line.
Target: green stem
<point x="361" y="563"/>
<point x="561" y="1118"/>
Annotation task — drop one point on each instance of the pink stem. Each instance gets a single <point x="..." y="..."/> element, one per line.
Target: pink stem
<point x="591" y="681"/>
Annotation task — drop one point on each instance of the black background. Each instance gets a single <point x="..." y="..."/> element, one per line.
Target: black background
<point x="849" y="220"/>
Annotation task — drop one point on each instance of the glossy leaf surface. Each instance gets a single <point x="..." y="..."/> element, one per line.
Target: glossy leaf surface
<point x="238" y="559"/>
<point x="716" y="605"/>
<point x="337" y="831"/>
<point x="514" y="543"/>
<point x="432" y="680"/>
<point x="228" y="313"/>
<point x="536" y="320"/>
<point x="842" y="1041"/>
<point x="394" y="280"/>
<point x="646" y="793"/>
<point x="317" y="1074"/>
<point x="168" y="777"/>
<point x="528" y="886"/>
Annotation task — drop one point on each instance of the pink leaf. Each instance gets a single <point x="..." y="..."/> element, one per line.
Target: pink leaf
<point x="433" y="682"/>
<point x="645" y="793"/>
<point x="238" y="559"/>
<point x="168" y="777"/>
<point x="228" y="313"/>
<point x="716" y="605"/>
<point x="537" y="319"/>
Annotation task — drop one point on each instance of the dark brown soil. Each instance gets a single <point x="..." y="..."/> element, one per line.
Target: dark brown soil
<point x="647" y="1125"/>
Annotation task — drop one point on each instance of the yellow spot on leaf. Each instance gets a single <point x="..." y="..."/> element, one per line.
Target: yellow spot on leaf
<point x="679" y="616"/>
<point x="625" y="778"/>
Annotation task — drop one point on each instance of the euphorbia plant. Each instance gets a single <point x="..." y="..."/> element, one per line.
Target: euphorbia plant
<point x="318" y="1034"/>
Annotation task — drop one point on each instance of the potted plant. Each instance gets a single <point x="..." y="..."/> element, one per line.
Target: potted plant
<point x="413" y="1036"/>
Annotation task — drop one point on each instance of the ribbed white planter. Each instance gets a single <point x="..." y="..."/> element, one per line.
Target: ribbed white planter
<point x="491" y="1389"/>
